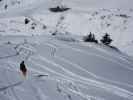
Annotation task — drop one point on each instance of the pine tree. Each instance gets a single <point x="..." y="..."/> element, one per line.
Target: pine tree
<point x="94" y="39"/>
<point x="90" y="38"/>
<point x="106" y="39"/>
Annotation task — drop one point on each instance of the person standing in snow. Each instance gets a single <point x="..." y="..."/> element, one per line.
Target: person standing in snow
<point x="23" y="69"/>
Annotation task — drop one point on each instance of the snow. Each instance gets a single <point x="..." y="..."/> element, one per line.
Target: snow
<point x="63" y="67"/>
<point x="72" y="70"/>
<point x="77" y="21"/>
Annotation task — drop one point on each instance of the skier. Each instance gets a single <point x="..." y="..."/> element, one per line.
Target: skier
<point x="23" y="68"/>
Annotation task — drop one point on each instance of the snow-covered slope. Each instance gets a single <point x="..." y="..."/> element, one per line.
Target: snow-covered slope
<point x="79" y="20"/>
<point x="117" y="23"/>
<point x="62" y="70"/>
<point x="62" y="67"/>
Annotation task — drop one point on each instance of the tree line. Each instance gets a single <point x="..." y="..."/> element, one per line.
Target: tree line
<point x="106" y="39"/>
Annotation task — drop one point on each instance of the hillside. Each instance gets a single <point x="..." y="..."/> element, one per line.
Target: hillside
<point x="61" y="70"/>
<point x="78" y="20"/>
<point x="60" y="65"/>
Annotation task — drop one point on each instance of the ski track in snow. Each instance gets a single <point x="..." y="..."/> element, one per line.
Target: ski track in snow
<point x="92" y="74"/>
<point x="97" y="55"/>
<point x="85" y="70"/>
<point x="54" y="48"/>
<point x="122" y="57"/>
<point x="9" y="86"/>
<point x="116" y="90"/>
<point x="60" y="71"/>
<point x="64" y="73"/>
<point x="110" y="54"/>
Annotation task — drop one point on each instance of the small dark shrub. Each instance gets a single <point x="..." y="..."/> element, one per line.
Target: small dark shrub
<point x="26" y="21"/>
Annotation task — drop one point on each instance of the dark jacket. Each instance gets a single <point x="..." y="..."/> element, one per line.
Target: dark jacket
<point x="23" y="67"/>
